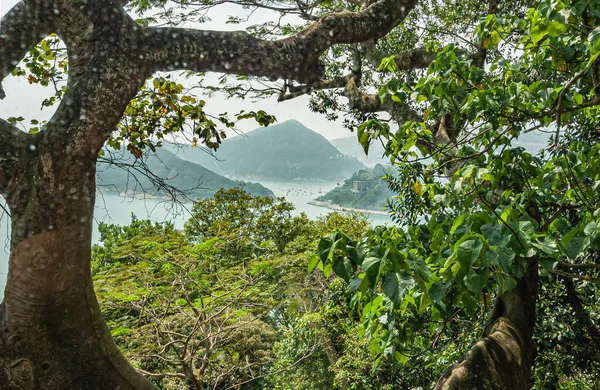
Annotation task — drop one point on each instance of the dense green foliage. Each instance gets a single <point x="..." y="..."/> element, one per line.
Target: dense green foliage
<point x="192" y="305"/>
<point x="155" y="173"/>
<point x="181" y="309"/>
<point x="286" y="151"/>
<point x="175" y="305"/>
<point x="245" y="224"/>
<point x="479" y="214"/>
<point x="372" y="193"/>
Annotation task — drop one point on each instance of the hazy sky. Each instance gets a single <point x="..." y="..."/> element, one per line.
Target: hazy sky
<point x="23" y="99"/>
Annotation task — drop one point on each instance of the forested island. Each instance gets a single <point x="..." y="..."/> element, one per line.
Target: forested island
<point x="364" y="190"/>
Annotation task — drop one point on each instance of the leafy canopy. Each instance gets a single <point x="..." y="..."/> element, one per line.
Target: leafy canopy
<point x="477" y="211"/>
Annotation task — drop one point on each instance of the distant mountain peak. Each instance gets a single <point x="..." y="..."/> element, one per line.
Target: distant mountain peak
<point x="283" y="151"/>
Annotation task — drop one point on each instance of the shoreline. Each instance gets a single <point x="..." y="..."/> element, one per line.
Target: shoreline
<point x="342" y="208"/>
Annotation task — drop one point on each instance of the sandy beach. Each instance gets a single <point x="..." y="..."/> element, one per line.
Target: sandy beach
<point x="341" y="208"/>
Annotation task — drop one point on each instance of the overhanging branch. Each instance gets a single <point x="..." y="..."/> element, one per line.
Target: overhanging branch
<point x="366" y="102"/>
<point x="295" y="57"/>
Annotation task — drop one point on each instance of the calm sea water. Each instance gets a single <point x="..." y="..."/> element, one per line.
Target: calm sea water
<point x="111" y="208"/>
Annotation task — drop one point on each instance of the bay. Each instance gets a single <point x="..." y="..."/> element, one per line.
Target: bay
<point x="111" y="208"/>
<point x="300" y="193"/>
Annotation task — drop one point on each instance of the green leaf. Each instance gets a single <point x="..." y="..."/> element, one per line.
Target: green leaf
<point x="359" y="283"/>
<point x="372" y="263"/>
<point x="344" y="268"/>
<point x="374" y="347"/>
<point x="401" y="358"/>
<point x="492" y="40"/>
<point x="327" y="268"/>
<point x="388" y="64"/>
<point x="418" y="266"/>
<point x="591" y="230"/>
<point x="396" y="284"/>
<point x="525" y="231"/>
<point x="356" y="253"/>
<point x="493" y="232"/>
<point x="326" y="247"/>
<point x="538" y="32"/>
<point x="438" y="290"/>
<point x="457" y="222"/>
<point x="468" y="252"/>
<point x="500" y="257"/>
<point x="477" y="281"/>
<point x="548" y="246"/>
<point x="390" y="287"/>
<point x="13" y="120"/>
<point x="556" y="28"/>
<point x="469" y="303"/>
<point x="566" y="239"/>
<point x="576" y="246"/>
<point x="549" y="264"/>
<point x="314" y="260"/>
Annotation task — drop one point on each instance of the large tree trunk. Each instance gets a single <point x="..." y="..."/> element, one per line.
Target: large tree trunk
<point x="502" y="359"/>
<point x="52" y="334"/>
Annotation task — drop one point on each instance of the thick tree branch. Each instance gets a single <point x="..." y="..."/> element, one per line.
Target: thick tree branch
<point x="576" y="276"/>
<point x="359" y="100"/>
<point x="105" y="73"/>
<point x="21" y="29"/>
<point x="299" y="90"/>
<point x="579" y="266"/>
<point x="293" y="58"/>
<point x="94" y="105"/>
<point x="503" y="357"/>
<point x="11" y="138"/>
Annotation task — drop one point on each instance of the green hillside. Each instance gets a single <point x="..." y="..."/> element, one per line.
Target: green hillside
<point x="370" y="192"/>
<point x="286" y="151"/>
<point x="181" y="174"/>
